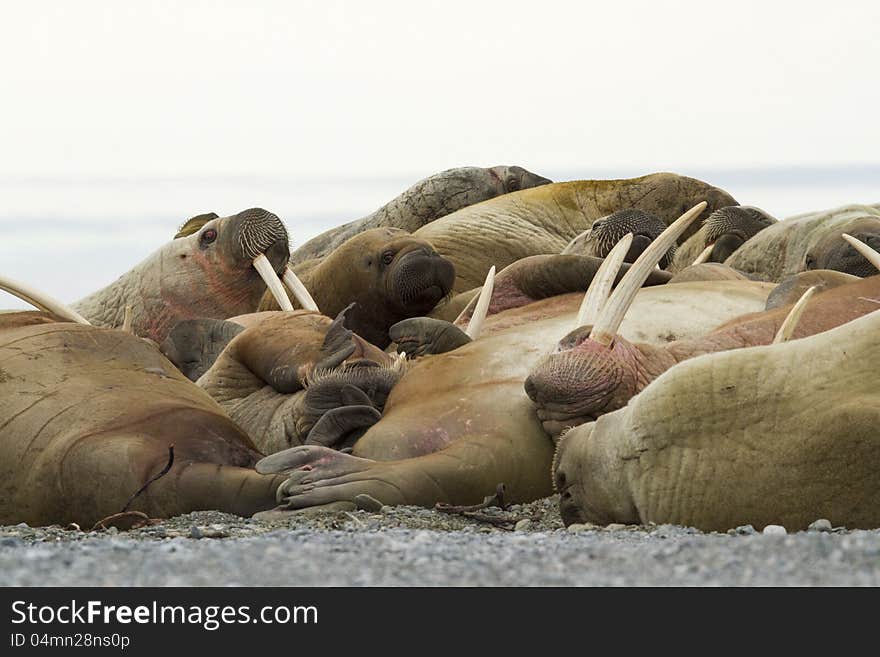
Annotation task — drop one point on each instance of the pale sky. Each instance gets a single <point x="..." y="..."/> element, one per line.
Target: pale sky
<point x="377" y="88"/>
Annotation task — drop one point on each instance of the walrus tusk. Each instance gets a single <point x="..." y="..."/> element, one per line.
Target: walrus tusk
<point x="870" y="254"/>
<point x="264" y="267"/>
<point x="600" y="286"/>
<point x="41" y="300"/>
<point x="606" y="326"/>
<point x="791" y="320"/>
<point x="126" y="319"/>
<point x="299" y="290"/>
<point x="482" y="308"/>
<point x="704" y="255"/>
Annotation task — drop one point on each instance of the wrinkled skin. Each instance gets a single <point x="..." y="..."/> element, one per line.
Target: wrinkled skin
<point x="793" y="287"/>
<point x="809" y="241"/>
<point x="545" y="219"/>
<point x="584" y="379"/>
<point x="389" y="274"/>
<point x="608" y="231"/>
<point x="88" y="415"/>
<point x="458" y="424"/>
<point x="207" y="274"/>
<point x="278" y="378"/>
<point x="727" y="229"/>
<point x="427" y="200"/>
<point x="708" y="271"/>
<point x="780" y="434"/>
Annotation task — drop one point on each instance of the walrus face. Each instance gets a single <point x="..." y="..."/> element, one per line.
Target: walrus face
<point x="607" y="231"/>
<point x="581" y="380"/>
<point x="833" y="252"/>
<point x="729" y="228"/>
<point x="513" y="179"/>
<point x="415" y="277"/>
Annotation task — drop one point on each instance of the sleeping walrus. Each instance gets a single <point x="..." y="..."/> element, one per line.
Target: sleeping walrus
<point x="87" y="417"/>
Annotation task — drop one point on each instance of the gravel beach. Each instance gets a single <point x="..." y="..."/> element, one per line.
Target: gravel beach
<point x="407" y="546"/>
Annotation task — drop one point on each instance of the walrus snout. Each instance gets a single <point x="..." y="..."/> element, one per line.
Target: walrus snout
<point x="421" y="279"/>
<point x="257" y="231"/>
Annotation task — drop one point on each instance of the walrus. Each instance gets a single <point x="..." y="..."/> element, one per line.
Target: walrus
<point x="88" y="416"/>
<point x="281" y="375"/>
<point x="587" y="376"/>
<point x="723" y="232"/>
<point x="211" y="273"/>
<point x="545" y="219"/>
<point x="459" y="423"/>
<point x="780" y="434"/>
<point x="389" y="275"/>
<point x="427" y="200"/>
<point x="810" y="241"/>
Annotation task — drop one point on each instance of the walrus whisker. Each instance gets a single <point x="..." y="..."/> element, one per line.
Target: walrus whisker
<point x="600" y="287"/>
<point x="615" y="309"/>
<point x="870" y="254"/>
<point x="41" y="300"/>
<point x="495" y="499"/>
<point x="267" y="273"/>
<point x="299" y="290"/>
<point x="704" y="255"/>
<point x="482" y="308"/>
<point x="140" y="515"/>
<point x="791" y="320"/>
<point x="155" y="477"/>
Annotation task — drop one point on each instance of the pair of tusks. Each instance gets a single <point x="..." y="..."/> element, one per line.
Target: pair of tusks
<point x="606" y="310"/>
<point x="296" y="287"/>
<point x="41" y="300"/>
<point x="791" y="320"/>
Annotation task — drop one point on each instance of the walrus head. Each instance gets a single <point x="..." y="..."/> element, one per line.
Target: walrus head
<point x="607" y="231"/>
<point x="513" y="178"/>
<point x="414" y="275"/>
<point x="729" y="228"/>
<point x="833" y="252"/>
<point x="593" y="370"/>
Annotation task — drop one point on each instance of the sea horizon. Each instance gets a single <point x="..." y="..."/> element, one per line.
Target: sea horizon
<point x="71" y="235"/>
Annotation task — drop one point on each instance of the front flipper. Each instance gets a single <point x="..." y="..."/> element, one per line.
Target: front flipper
<point x="419" y="336"/>
<point x="194" y="344"/>
<point x="342" y="425"/>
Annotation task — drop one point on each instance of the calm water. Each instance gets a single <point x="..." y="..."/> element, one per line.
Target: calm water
<point x="70" y="237"/>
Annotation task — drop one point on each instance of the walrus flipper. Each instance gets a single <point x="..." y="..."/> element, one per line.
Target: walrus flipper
<point x="420" y="336"/>
<point x="194" y="344"/>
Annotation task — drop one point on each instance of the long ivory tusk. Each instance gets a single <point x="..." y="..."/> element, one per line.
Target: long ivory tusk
<point x="872" y="256"/>
<point x="606" y="326"/>
<point x="264" y="267"/>
<point x="41" y="300"/>
<point x="299" y="290"/>
<point x="482" y="308"/>
<point x="600" y="286"/>
<point x="704" y="255"/>
<point x="791" y="320"/>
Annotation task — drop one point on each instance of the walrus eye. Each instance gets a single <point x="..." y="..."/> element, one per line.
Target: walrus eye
<point x="387" y="258"/>
<point x="597" y="224"/>
<point x="208" y="236"/>
<point x="811" y="261"/>
<point x="512" y="184"/>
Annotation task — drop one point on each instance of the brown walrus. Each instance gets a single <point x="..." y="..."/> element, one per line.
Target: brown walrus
<point x="459" y="423"/>
<point x="389" y="274"/>
<point x="210" y="273"/>
<point x="87" y="416"/>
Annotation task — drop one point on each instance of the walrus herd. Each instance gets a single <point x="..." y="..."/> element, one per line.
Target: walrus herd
<point x="648" y="348"/>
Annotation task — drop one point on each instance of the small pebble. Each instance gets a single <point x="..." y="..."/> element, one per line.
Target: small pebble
<point x="774" y="530"/>
<point x="747" y="529"/>
<point x="821" y="525"/>
<point x="195" y="532"/>
<point x="522" y="525"/>
<point x="576" y="527"/>
<point x="614" y="527"/>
